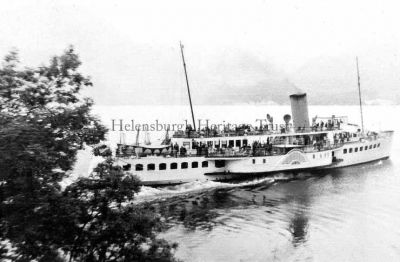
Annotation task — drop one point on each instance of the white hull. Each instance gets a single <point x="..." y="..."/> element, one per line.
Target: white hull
<point x="376" y="149"/>
<point x="177" y="170"/>
<point x="294" y="160"/>
<point x="171" y="175"/>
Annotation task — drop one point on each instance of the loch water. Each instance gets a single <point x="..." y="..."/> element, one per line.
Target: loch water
<point x="347" y="214"/>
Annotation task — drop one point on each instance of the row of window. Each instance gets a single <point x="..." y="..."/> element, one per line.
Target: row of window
<point x="361" y="148"/>
<point x="320" y="155"/>
<point x="224" y="143"/>
<point x="204" y="164"/>
<point x="326" y="154"/>
<point x="163" y="166"/>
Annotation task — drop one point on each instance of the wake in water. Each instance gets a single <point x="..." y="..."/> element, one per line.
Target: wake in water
<point x="152" y="193"/>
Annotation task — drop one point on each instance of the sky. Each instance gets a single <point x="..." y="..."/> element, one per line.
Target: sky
<point x="131" y="48"/>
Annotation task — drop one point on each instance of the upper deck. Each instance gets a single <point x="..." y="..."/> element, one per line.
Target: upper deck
<point x="320" y="125"/>
<point x="245" y="141"/>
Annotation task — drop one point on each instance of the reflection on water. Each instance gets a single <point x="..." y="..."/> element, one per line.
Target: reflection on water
<point x="298" y="227"/>
<point x="349" y="214"/>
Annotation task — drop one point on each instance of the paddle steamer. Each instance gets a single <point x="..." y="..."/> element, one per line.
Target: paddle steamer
<point x="201" y="155"/>
<point x="244" y="152"/>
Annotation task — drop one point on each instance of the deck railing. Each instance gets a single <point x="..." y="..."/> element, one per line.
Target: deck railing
<point x="271" y="150"/>
<point x="230" y="133"/>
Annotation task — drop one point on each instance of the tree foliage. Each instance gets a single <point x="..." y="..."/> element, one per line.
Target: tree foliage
<point x="44" y="121"/>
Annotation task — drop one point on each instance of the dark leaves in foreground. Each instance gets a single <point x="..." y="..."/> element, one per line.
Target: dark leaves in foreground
<point x="44" y="121"/>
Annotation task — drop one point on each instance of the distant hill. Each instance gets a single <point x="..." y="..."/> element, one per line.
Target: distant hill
<point x="327" y="81"/>
<point x="238" y="77"/>
<point x="334" y="81"/>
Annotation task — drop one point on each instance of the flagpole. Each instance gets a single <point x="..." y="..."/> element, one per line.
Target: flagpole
<point x="359" y="96"/>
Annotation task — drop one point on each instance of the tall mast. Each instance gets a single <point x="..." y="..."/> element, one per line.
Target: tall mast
<point x="187" y="84"/>
<point x="359" y="96"/>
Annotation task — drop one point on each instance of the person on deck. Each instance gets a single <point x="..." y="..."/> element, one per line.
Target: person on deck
<point x="182" y="151"/>
<point x="175" y="149"/>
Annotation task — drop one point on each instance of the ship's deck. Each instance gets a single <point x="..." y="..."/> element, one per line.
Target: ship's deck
<point x="268" y="132"/>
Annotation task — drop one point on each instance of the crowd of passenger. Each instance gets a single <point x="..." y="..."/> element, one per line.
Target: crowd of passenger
<point x="245" y="129"/>
<point x="257" y="148"/>
<point x="330" y="124"/>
